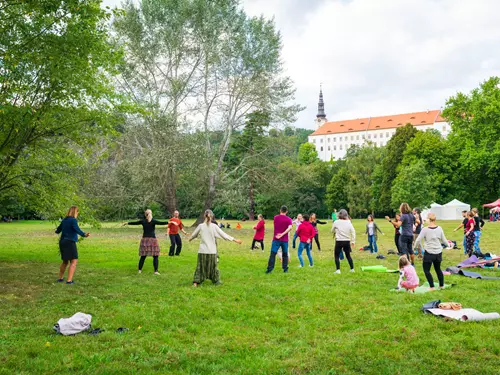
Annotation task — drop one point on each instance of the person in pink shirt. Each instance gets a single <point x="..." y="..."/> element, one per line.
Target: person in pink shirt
<point x="306" y="233"/>
<point x="260" y="229"/>
<point x="407" y="271"/>
<point x="282" y="226"/>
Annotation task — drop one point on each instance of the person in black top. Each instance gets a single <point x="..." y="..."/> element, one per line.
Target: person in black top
<point x="315" y="223"/>
<point x="418" y="229"/>
<point x="463" y="225"/>
<point x="149" y="244"/>
<point x="478" y="227"/>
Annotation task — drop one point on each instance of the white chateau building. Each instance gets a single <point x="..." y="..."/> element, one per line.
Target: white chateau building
<point x="333" y="139"/>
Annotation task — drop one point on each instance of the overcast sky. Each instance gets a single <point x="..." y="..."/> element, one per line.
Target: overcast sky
<point x="381" y="57"/>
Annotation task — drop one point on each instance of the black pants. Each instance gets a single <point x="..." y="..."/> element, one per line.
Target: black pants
<point x="343" y="246"/>
<point x="429" y="260"/>
<point x="396" y="241"/>
<point x="405" y="245"/>
<point x="175" y="240"/>
<point x="155" y="262"/>
<point x="258" y="241"/>
<point x="316" y="239"/>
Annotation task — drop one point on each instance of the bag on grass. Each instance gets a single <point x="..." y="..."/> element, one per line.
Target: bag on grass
<point x="79" y="322"/>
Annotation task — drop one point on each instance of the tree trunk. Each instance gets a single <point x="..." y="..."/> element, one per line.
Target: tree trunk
<point x="171" y="191"/>
<point x="251" y="198"/>
<point x="208" y="200"/>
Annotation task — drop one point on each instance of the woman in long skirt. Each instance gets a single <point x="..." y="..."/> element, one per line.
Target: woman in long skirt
<point x="149" y="244"/>
<point x="207" y="253"/>
<point x="67" y="244"/>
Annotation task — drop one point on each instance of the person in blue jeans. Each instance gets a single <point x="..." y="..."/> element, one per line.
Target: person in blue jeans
<point x="371" y="231"/>
<point x="478" y="227"/>
<point x="282" y="226"/>
<point x="464" y="223"/>
<point x="306" y="234"/>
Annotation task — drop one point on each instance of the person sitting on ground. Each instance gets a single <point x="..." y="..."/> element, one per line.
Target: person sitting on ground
<point x="407" y="271"/>
<point x="433" y="237"/>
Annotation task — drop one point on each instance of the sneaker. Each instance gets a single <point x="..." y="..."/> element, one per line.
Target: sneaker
<point x="70" y="282"/>
<point x="311" y="265"/>
<point x="337" y="272"/>
<point x="268" y="271"/>
<point x="60" y="280"/>
<point x="352" y="270"/>
<point x="140" y="271"/>
<point x="285" y="271"/>
<point x="299" y="266"/>
<point x="157" y="273"/>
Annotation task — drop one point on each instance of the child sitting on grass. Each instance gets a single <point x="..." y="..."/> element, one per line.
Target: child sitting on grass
<point x="406" y="270"/>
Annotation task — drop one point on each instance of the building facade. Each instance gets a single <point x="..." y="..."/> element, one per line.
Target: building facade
<point x="333" y="139"/>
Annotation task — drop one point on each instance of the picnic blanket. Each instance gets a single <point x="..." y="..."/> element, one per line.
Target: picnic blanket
<point x="424" y="288"/>
<point x="381" y="269"/>
<point x="464" y="314"/>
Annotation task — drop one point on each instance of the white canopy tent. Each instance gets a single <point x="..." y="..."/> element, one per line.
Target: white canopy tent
<point x="453" y="210"/>
<point x="435" y="208"/>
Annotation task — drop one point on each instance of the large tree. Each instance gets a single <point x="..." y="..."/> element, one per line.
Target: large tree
<point x="475" y="137"/>
<point x="414" y="186"/>
<point x="56" y="96"/>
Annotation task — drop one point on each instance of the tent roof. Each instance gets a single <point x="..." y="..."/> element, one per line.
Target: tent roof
<point x="455" y="202"/>
<point x="493" y="204"/>
<point x="435" y="205"/>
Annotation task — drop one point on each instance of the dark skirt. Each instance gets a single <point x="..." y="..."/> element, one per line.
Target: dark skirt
<point x="68" y="250"/>
<point x="149" y="247"/>
<point x="206" y="269"/>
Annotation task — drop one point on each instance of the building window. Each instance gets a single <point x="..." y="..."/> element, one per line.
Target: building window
<point x="321" y="148"/>
<point x="369" y="136"/>
<point x="334" y="148"/>
<point x="352" y="138"/>
<point x="357" y="138"/>
<point x="340" y="139"/>
<point x="363" y="136"/>
<point x="340" y="147"/>
<point x="334" y="139"/>
<point x="314" y="140"/>
<point x="374" y="136"/>
<point x="387" y="135"/>
<point x="444" y="128"/>
<point x="328" y="148"/>
<point x="321" y="140"/>
<point x="328" y="139"/>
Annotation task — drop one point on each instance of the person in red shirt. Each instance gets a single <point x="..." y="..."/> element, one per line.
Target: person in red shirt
<point x="306" y="233"/>
<point x="260" y="229"/>
<point x="174" y="225"/>
<point x="469" y="233"/>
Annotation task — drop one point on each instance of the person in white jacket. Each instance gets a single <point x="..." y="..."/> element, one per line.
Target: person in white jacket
<point x="345" y="235"/>
<point x="207" y="253"/>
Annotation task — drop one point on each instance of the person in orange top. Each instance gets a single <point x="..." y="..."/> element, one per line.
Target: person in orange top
<point x="174" y="225"/>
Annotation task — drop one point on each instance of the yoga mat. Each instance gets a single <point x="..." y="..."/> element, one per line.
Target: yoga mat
<point x="381" y="269"/>
<point x="424" y="288"/>
<point x="465" y="314"/>
<point x="473" y="261"/>
<point x="475" y="275"/>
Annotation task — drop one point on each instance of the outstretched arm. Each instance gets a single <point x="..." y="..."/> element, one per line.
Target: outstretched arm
<point x="195" y="233"/>
<point x="321" y="222"/>
<point x="59" y="229"/>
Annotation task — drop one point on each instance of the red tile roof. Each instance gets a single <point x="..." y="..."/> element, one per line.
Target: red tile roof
<point x="382" y="122"/>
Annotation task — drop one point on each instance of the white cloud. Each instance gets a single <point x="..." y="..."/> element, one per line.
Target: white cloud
<point x="384" y="56"/>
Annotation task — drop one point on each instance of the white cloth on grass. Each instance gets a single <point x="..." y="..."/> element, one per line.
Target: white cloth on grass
<point x="465" y="314"/>
<point x="77" y="323"/>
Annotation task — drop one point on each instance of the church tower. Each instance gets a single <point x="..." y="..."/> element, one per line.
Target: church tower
<point x="321" y="116"/>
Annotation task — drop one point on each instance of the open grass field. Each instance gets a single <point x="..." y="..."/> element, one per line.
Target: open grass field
<point x="308" y="321"/>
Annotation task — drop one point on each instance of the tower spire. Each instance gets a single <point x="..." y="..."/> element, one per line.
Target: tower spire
<point x="321" y="105"/>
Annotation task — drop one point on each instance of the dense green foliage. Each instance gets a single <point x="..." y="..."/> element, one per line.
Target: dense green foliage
<point x="308" y="321"/>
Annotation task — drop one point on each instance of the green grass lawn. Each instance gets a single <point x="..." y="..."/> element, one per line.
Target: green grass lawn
<point x="308" y="321"/>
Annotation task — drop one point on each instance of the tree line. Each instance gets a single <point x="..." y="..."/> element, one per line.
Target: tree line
<point x="184" y="104"/>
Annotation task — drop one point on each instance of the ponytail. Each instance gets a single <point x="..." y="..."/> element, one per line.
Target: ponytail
<point x="208" y="217"/>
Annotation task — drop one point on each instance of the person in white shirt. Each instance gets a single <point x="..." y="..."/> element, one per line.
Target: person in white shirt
<point x="432" y="237"/>
<point x="206" y="267"/>
<point x="297" y="223"/>
<point x="345" y="235"/>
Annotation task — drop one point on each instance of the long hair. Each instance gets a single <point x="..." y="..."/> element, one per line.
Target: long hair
<point x="208" y="216"/>
<point x="73" y="211"/>
<point x="403" y="261"/>
<point x="370" y="218"/>
<point x="312" y="217"/>
<point x="148" y="214"/>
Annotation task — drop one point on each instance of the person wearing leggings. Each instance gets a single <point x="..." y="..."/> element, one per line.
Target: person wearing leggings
<point x="432" y="238"/>
<point x="344" y="235"/>
<point x="405" y="223"/>
<point x="260" y="230"/>
<point x="314" y="223"/>
<point x="149" y="244"/>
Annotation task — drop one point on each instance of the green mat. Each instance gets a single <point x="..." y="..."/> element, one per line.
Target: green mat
<point x="382" y="269"/>
<point x="424" y="288"/>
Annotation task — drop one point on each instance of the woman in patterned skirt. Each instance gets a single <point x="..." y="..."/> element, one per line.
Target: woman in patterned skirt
<point x="149" y="244"/>
<point x="207" y="253"/>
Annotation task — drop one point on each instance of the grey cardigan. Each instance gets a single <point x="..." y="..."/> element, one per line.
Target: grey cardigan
<point x="375" y="229"/>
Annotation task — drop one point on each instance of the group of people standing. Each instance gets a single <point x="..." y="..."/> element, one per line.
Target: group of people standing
<point x="473" y="225"/>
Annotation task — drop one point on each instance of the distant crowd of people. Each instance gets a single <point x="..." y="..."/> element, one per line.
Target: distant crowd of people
<point x="410" y="238"/>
